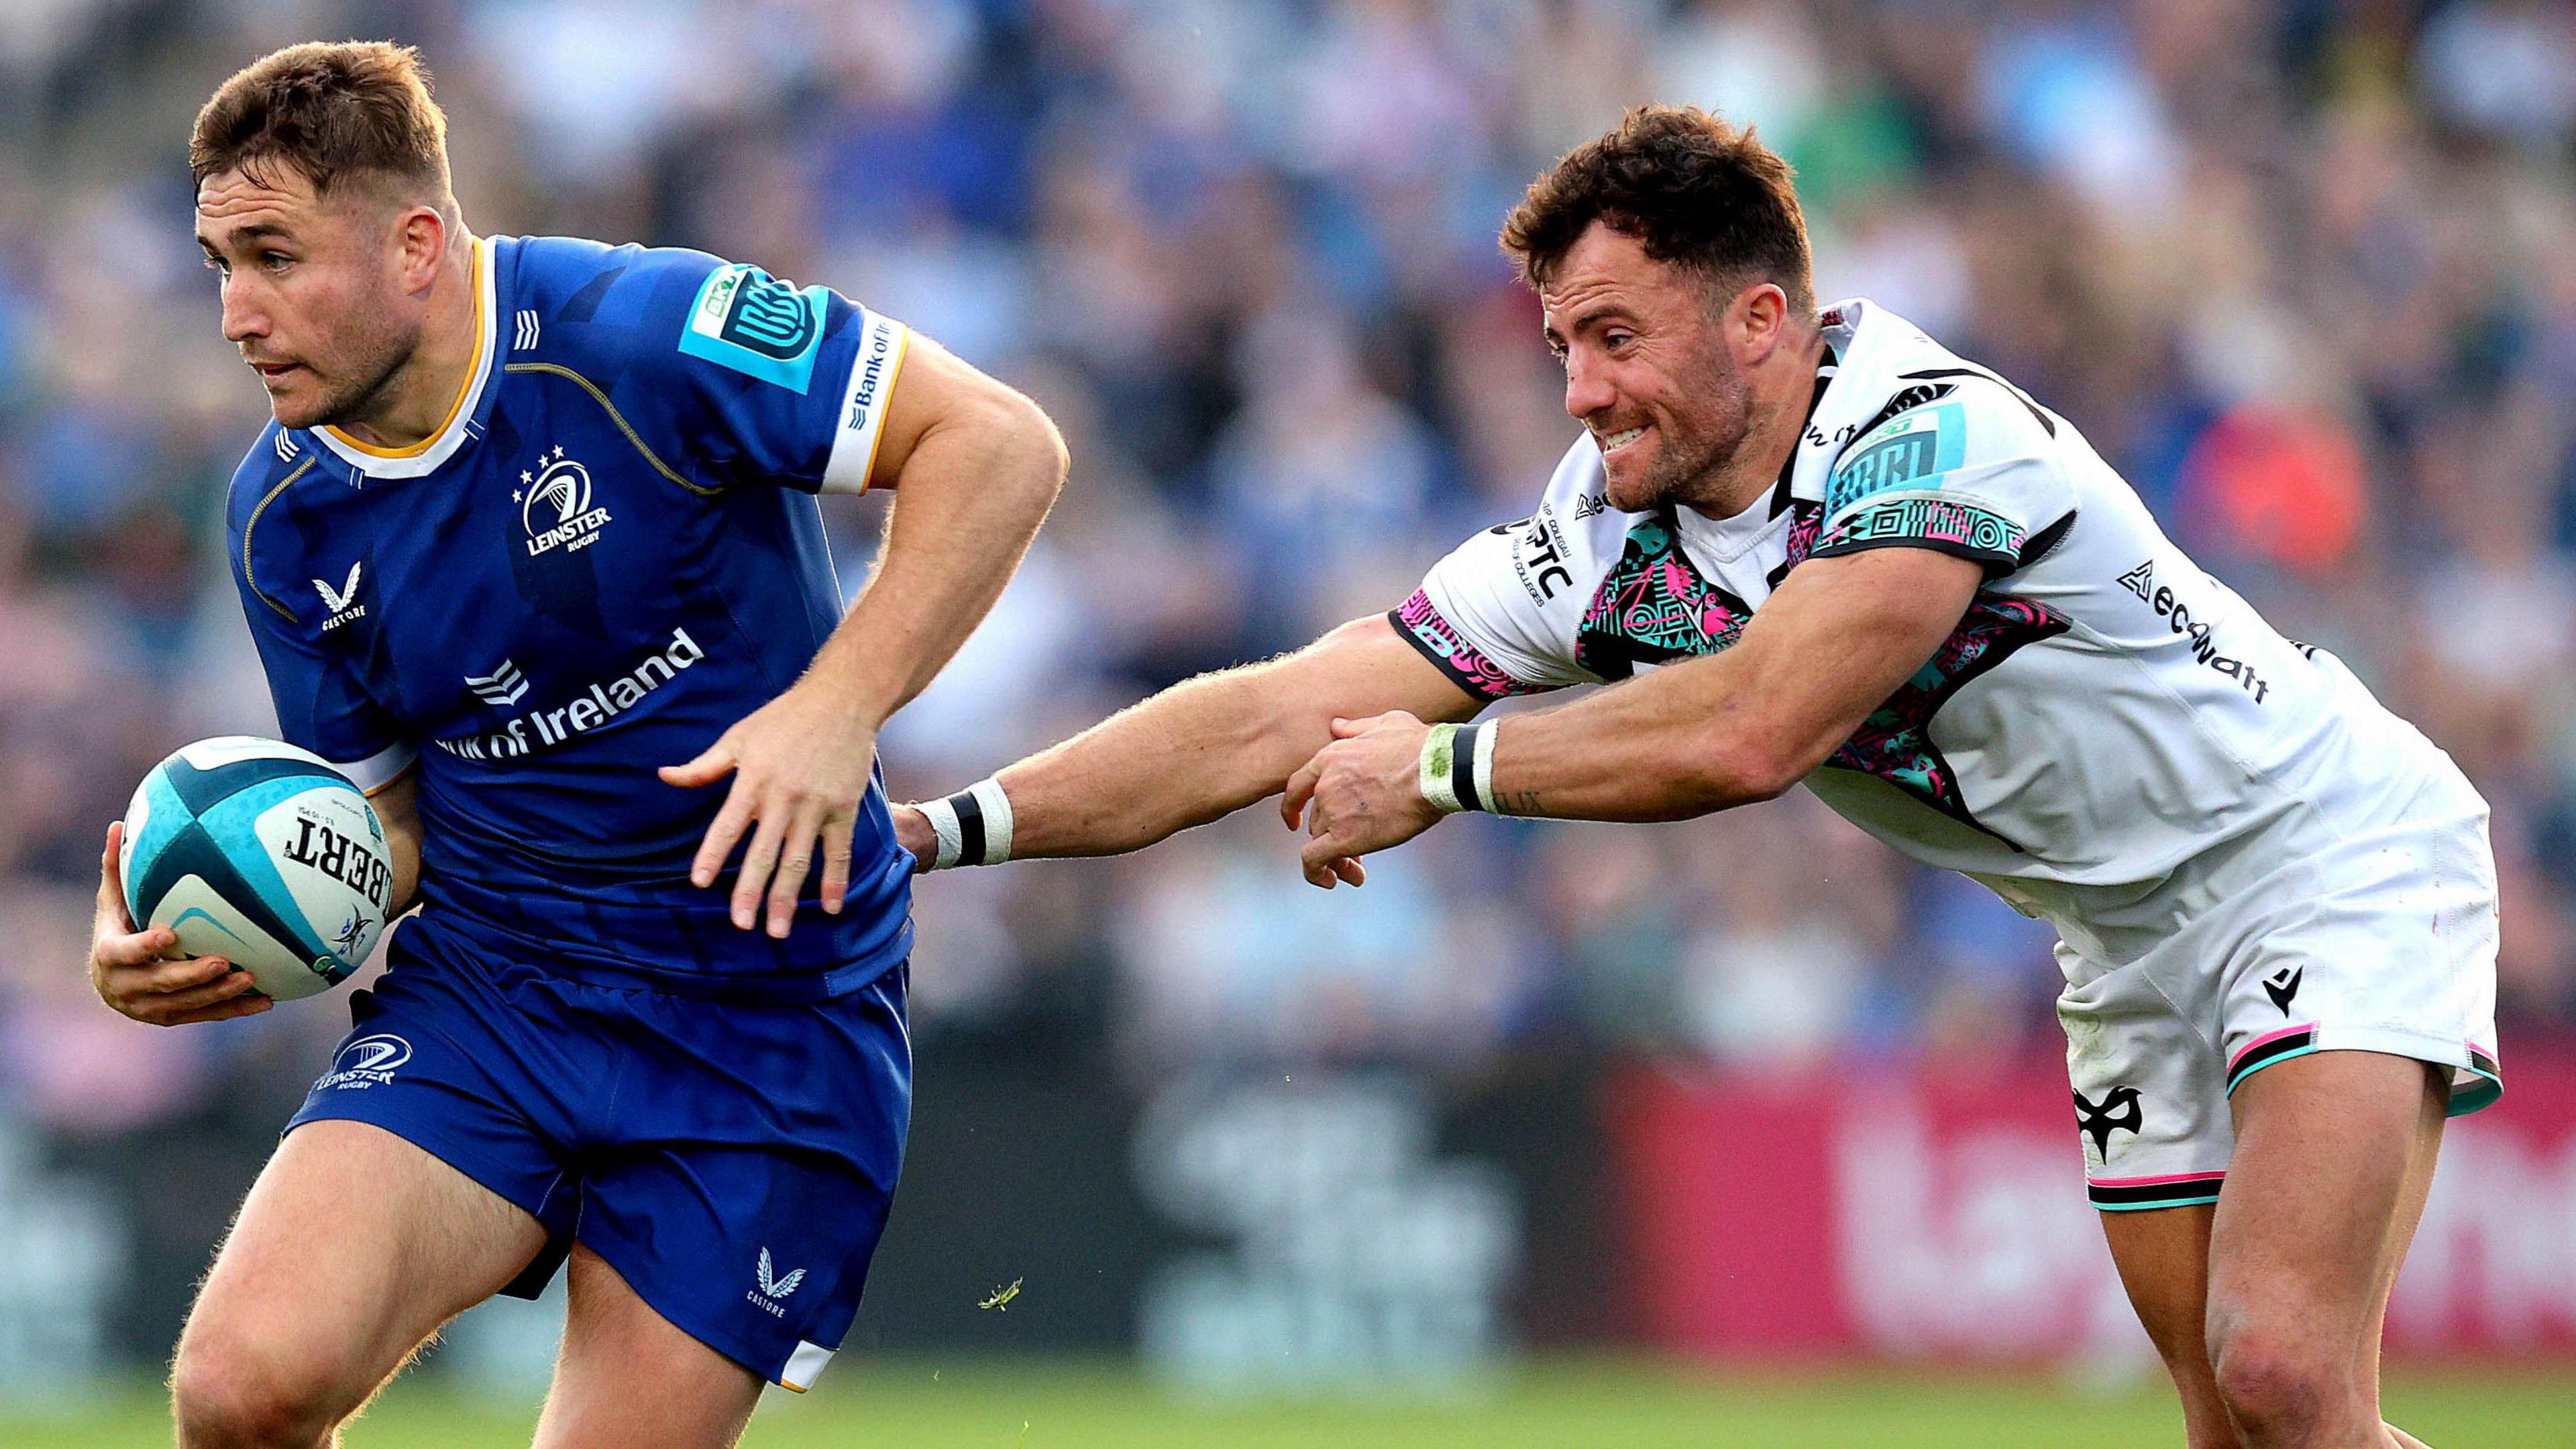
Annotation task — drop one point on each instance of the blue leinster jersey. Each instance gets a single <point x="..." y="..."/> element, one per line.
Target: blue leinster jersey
<point x="609" y="554"/>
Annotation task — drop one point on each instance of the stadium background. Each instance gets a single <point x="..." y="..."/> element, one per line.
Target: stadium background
<point x="1748" y="1092"/>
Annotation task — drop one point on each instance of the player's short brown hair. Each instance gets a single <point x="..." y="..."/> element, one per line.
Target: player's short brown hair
<point x="331" y="112"/>
<point x="1690" y="188"/>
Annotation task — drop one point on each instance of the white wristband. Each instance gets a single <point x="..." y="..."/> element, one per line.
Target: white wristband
<point x="1457" y="771"/>
<point x="943" y="824"/>
<point x="973" y="826"/>
<point x="1480" y="764"/>
<point x="1439" y="771"/>
<point x="996" y="812"/>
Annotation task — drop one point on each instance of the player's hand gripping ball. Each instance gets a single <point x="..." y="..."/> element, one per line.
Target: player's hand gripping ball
<point x="262" y="854"/>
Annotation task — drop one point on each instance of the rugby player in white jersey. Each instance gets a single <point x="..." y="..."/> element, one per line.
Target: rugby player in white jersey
<point x="1816" y="547"/>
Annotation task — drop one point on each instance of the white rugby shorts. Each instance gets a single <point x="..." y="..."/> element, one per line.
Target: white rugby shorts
<point x="2377" y="936"/>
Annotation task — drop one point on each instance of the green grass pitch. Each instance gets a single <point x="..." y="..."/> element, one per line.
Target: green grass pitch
<point x="1614" y="1404"/>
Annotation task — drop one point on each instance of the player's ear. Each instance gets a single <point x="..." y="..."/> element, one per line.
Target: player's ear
<point x="1760" y="318"/>
<point x="420" y="244"/>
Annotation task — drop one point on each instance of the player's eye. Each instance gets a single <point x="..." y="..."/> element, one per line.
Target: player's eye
<point x="1614" y="339"/>
<point x="275" y="261"/>
<point x="218" y="266"/>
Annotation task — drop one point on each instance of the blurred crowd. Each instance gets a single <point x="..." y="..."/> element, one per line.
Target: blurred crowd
<point x="2305" y="272"/>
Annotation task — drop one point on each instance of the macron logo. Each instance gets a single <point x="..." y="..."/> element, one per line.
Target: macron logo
<point x="501" y="688"/>
<point x="338" y="600"/>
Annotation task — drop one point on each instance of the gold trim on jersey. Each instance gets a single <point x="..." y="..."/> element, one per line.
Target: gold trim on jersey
<point x="876" y="445"/>
<point x="614" y="416"/>
<point x="253" y="522"/>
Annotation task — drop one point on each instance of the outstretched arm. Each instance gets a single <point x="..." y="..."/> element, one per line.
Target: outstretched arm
<point x="1206" y="747"/>
<point x="975" y="466"/>
<point x="1824" y="651"/>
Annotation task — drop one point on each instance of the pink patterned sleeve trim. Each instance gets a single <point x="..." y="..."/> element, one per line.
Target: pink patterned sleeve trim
<point x="1441" y="643"/>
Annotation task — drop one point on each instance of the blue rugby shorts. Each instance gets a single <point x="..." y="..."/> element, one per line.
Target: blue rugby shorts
<point x="734" y="1163"/>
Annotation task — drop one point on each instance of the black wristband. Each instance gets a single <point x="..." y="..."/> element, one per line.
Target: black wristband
<point x="1462" y="766"/>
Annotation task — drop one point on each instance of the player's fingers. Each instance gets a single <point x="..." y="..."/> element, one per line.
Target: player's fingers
<point x="1351" y="871"/>
<point x="1318" y="857"/>
<point x="1322" y="809"/>
<point x="160" y="978"/>
<point x="837" y="830"/>
<point x="711" y="765"/>
<point x="111" y="882"/>
<point x="223" y="1010"/>
<point x="758" y="859"/>
<point x="1301" y="788"/>
<point x="727" y="829"/>
<point x="1344" y="729"/>
<point x="795" y="862"/>
<point x="111" y="886"/>
<point x="1336" y="843"/>
<point x="168" y="1006"/>
<point x="136" y="948"/>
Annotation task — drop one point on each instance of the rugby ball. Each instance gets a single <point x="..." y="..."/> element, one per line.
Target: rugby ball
<point x="262" y="854"/>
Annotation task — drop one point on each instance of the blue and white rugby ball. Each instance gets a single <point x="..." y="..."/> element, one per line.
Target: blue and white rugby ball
<point x="262" y="854"/>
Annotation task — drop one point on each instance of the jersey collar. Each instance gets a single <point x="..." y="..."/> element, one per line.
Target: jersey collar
<point x="1862" y="352"/>
<point x="429" y="453"/>
<point x="1784" y="490"/>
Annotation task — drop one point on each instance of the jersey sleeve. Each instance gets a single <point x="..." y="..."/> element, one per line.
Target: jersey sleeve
<point x="1500" y="614"/>
<point x="772" y="382"/>
<point x="322" y="704"/>
<point x="1973" y="473"/>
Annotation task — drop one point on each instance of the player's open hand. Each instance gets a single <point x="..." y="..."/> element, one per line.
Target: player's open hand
<point x="800" y="767"/>
<point x="133" y="972"/>
<point x="1360" y="793"/>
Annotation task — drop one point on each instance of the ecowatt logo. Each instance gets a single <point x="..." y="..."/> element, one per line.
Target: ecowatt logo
<point x="601" y="702"/>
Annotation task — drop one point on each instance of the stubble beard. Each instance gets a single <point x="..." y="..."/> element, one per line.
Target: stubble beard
<point x="1693" y="471"/>
<point x="379" y="357"/>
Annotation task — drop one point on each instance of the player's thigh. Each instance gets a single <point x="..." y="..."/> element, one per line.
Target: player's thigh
<point x="631" y="1379"/>
<point x="2163" y="1258"/>
<point x="2151" y="1114"/>
<point x="352" y="1247"/>
<point x="2334" y="1155"/>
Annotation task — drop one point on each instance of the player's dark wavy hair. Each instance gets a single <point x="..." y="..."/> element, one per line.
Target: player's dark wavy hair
<point x="329" y="112"/>
<point x="1688" y="187"/>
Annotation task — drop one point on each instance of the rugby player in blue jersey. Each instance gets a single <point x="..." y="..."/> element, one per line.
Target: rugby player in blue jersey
<point x="531" y="551"/>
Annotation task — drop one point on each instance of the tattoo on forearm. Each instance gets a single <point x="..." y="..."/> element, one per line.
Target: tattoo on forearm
<point x="1518" y="802"/>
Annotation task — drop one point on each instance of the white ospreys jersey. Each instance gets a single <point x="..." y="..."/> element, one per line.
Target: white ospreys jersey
<point x="2104" y="725"/>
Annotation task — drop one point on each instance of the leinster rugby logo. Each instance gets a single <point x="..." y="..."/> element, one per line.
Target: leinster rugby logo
<point x="554" y="506"/>
<point x="367" y="1062"/>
